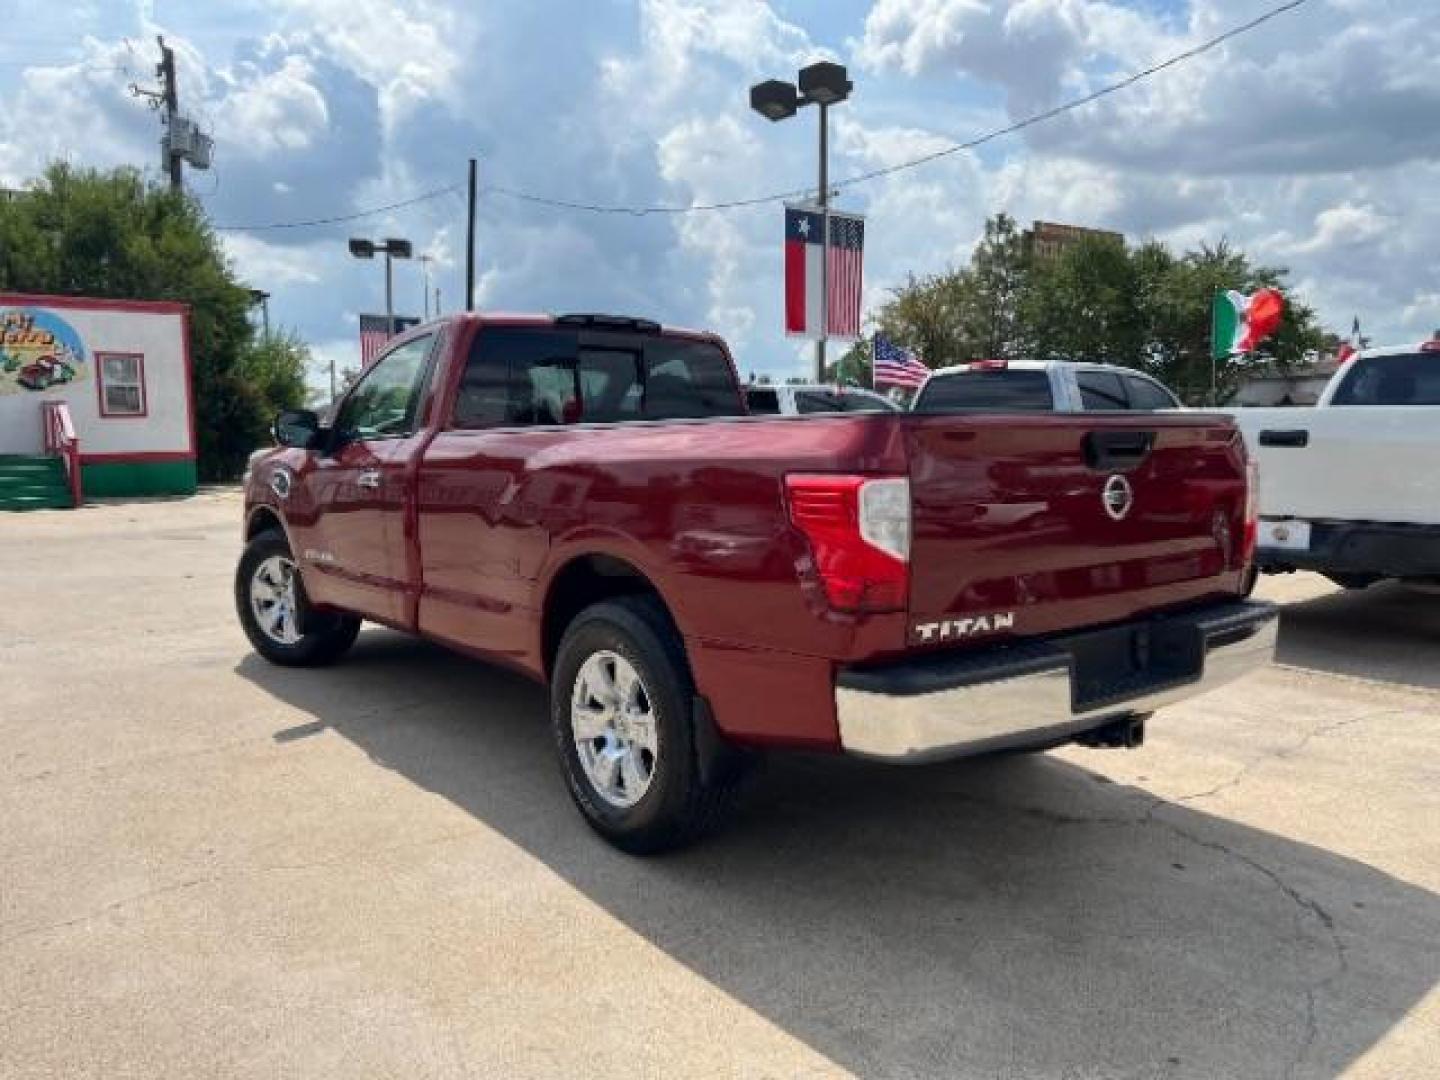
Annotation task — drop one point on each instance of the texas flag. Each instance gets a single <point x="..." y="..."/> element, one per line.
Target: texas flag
<point x="804" y="237"/>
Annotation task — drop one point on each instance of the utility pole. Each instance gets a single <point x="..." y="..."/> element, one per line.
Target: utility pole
<point x="425" y="261"/>
<point x="166" y="71"/>
<point x="470" y="243"/>
<point x="824" y="242"/>
<point x="262" y="298"/>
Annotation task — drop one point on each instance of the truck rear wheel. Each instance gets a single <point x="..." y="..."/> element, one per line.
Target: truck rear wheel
<point x="621" y="704"/>
<point x="276" y="614"/>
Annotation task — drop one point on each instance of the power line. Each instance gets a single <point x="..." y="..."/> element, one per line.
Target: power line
<point x="1080" y="102"/>
<point x="356" y="216"/>
<point x="850" y="181"/>
<point x="1010" y="129"/>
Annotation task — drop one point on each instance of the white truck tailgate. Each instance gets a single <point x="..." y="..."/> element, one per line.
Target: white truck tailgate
<point x="1378" y="463"/>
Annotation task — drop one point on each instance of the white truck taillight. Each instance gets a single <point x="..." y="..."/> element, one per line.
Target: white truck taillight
<point x="859" y="533"/>
<point x="1252" y="512"/>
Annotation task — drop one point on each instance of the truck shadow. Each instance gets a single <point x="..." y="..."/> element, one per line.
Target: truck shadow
<point x="1010" y="916"/>
<point x="1388" y="632"/>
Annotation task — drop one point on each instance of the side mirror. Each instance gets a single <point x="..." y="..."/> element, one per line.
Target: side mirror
<point x="297" y="428"/>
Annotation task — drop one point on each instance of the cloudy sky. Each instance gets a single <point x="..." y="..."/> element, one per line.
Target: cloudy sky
<point x="1313" y="143"/>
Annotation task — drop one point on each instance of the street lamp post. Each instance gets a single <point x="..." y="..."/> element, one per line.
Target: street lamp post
<point x="262" y="298"/>
<point x="823" y="84"/>
<point x="390" y="248"/>
<point x="425" y="261"/>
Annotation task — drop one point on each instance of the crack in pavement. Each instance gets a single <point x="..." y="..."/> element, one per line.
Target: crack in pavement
<point x="243" y="871"/>
<point x="1302" y="904"/>
<point x="115" y="905"/>
<point x="1287" y="752"/>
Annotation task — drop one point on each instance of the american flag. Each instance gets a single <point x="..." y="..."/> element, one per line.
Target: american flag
<point x="373" y="333"/>
<point x="804" y="233"/>
<point x="896" y="366"/>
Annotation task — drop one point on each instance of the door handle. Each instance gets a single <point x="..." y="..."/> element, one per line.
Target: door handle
<point x="1292" y="437"/>
<point x="369" y="479"/>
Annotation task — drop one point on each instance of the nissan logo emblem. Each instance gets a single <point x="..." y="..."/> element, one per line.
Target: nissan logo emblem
<point x="1118" y="497"/>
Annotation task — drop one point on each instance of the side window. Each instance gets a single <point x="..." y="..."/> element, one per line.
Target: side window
<point x="382" y="405"/>
<point x="1145" y="394"/>
<point x="543" y="392"/>
<point x="1101" y="391"/>
<point x="859" y="401"/>
<point x="122" y="383"/>
<point x="517" y="375"/>
<point x="817" y="401"/>
<point x="532" y="375"/>
<point x="688" y="379"/>
<point x="609" y="385"/>
<point x="762" y="402"/>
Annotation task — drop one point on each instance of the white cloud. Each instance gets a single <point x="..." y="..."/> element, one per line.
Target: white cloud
<point x="412" y="55"/>
<point x="272" y="265"/>
<point x="1310" y="142"/>
<point x="280" y="111"/>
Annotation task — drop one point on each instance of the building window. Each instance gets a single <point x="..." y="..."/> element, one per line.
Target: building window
<point x="122" y="383"/>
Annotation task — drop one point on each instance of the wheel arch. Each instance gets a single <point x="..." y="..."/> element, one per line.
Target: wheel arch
<point x="264" y="518"/>
<point x="584" y="580"/>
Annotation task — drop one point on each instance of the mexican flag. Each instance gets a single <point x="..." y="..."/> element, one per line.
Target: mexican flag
<point x="1238" y="323"/>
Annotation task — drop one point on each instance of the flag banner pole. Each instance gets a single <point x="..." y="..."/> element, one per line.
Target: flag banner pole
<point x="808" y="286"/>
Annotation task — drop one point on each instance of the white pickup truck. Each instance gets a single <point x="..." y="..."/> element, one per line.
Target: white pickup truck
<point x="1351" y="488"/>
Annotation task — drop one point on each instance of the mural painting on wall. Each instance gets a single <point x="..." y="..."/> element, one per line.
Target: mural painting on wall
<point x="38" y="351"/>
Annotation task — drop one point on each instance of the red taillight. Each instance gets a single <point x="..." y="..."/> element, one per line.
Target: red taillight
<point x="859" y="533"/>
<point x="1252" y="512"/>
<point x="989" y="365"/>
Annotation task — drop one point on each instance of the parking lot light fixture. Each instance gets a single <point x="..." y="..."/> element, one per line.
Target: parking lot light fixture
<point x="823" y="83"/>
<point x="774" y="99"/>
<point x="392" y="248"/>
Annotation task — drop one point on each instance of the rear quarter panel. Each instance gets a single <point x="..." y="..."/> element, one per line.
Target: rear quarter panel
<point x="698" y="508"/>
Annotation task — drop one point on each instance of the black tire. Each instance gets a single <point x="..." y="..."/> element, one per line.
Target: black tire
<point x="1353" y="581"/>
<point x="682" y="802"/>
<point x="323" y="637"/>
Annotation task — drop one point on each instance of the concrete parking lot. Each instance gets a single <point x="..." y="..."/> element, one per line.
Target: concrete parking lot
<point x="212" y="867"/>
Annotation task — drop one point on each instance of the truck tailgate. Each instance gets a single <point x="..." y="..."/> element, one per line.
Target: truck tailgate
<point x="1027" y="525"/>
<point x="1376" y="463"/>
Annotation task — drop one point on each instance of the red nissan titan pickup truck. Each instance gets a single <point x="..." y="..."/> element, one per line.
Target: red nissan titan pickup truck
<point x="584" y="499"/>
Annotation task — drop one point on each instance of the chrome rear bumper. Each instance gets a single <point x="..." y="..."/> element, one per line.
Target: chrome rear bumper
<point x="1047" y="692"/>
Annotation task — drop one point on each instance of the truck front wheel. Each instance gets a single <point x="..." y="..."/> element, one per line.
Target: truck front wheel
<point x="276" y="614"/>
<point x="621" y="706"/>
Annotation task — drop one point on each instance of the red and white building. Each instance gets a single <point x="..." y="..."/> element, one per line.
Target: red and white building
<point x="120" y="373"/>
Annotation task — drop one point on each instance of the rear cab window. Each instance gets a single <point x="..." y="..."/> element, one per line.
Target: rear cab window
<point x="987" y="391"/>
<point x="763" y="402"/>
<point x="1146" y="394"/>
<point x="540" y="376"/>
<point x="1101" y="391"/>
<point x="1408" y="379"/>
<point x="818" y="401"/>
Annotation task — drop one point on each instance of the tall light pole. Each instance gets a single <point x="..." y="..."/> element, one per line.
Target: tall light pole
<point x="425" y="261"/>
<point x="391" y="248"/>
<point x="823" y="84"/>
<point x="261" y="298"/>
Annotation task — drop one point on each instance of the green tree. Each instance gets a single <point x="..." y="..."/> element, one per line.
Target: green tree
<point x="993" y="291"/>
<point x="1178" y="323"/>
<point x="854" y="367"/>
<point x="1086" y="305"/>
<point x="84" y="232"/>
<point x="927" y="315"/>
<point x="275" y="364"/>
<point x="1097" y="300"/>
